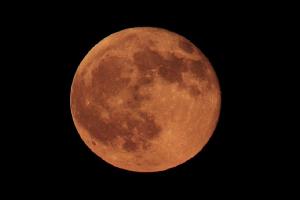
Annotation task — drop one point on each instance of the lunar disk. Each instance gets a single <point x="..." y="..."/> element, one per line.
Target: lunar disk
<point x="145" y="99"/>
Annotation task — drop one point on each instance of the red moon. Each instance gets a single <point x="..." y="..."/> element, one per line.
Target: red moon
<point x="145" y="99"/>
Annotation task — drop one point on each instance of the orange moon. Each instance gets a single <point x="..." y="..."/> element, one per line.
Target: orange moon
<point x="145" y="99"/>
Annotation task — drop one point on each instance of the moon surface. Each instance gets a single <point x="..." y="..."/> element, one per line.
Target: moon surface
<point x="145" y="99"/>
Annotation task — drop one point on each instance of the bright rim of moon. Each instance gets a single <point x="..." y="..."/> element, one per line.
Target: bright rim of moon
<point x="145" y="99"/>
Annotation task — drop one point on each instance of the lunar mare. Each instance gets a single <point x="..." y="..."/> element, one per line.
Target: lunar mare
<point x="145" y="99"/>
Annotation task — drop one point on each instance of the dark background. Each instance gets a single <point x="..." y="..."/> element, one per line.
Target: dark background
<point x="44" y="48"/>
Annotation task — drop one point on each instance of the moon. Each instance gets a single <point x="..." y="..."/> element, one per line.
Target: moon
<point x="145" y="99"/>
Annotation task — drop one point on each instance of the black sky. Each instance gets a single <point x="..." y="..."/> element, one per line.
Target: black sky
<point x="44" y="49"/>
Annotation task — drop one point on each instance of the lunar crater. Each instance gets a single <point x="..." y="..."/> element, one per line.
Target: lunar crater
<point x="186" y="46"/>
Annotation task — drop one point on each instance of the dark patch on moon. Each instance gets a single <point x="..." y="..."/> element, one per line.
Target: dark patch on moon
<point x="106" y="78"/>
<point x="198" y="68"/>
<point x="186" y="46"/>
<point x="132" y="103"/>
<point x="150" y="128"/>
<point x="194" y="91"/>
<point x="130" y="146"/>
<point x="136" y="98"/>
<point x="170" y="74"/>
<point x="145" y="80"/>
<point x="151" y="42"/>
<point x="107" y="130"/>
<point x="170" y="68"/>
<point x="145" y="128"/>
<point x="147" y="59"/>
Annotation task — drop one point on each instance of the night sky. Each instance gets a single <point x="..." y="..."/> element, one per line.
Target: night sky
<point x="50" y="44"/>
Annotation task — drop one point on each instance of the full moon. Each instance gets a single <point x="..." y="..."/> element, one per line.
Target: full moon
<point x="145" y="99"/>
